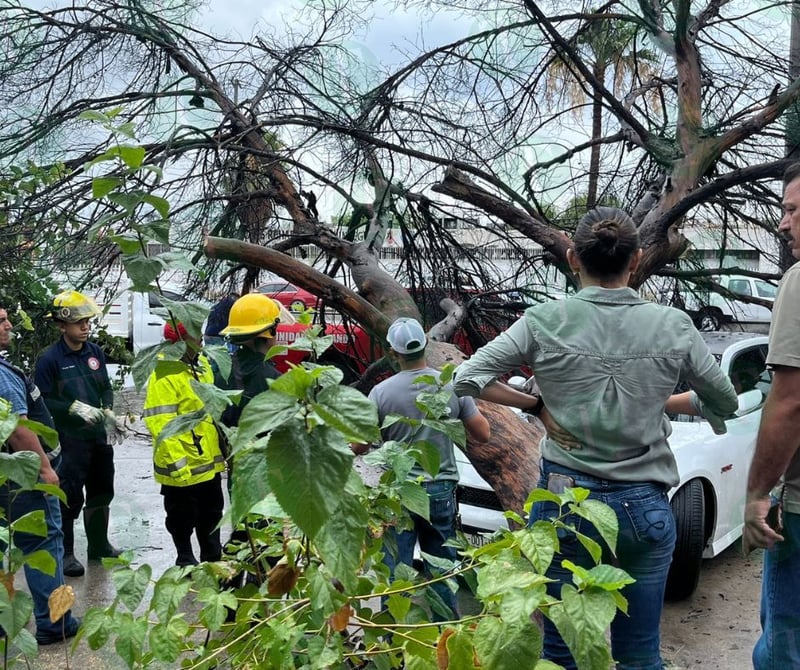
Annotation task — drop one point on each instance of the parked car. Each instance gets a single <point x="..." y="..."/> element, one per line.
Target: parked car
<point x="708" y="502"/>
<point x="294" y="297"/>
<point x="713" y="311"/>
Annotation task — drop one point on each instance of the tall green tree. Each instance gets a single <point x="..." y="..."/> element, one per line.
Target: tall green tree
<point x="609" y="47"/>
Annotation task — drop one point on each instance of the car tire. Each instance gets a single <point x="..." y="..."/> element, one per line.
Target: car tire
<point x="709" y="319"/>
<point x="297" y="305"/>
<point x="688" y="506"/>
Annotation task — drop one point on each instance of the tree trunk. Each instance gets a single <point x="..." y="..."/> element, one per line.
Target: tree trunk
<point x="510" y="460"/>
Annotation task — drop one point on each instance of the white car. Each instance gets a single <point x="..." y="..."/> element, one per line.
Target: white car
<point x="709" y="500"/>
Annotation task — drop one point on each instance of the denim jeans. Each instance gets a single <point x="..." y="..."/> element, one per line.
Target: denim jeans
<point x="645" y="544"/>
<point x="41" y="585"/>
<point x="431" y="536"/>
<point x="779" y="644"/>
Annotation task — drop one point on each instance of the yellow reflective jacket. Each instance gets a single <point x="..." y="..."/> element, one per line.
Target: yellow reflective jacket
<point x="194" y="456"/>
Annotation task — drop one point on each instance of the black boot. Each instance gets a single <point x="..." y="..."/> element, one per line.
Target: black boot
<point x="185" y="552"/>
<point x="210" y="545"/>
<point x="72" y="566"/>
<point x="95" y="520"/>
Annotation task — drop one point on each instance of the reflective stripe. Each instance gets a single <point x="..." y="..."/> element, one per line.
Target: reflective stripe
<point x="182" y="463"/>
<point x="160" y="409"/>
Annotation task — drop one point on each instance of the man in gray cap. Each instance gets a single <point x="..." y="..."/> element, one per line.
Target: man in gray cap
<point x="397" y="396"/>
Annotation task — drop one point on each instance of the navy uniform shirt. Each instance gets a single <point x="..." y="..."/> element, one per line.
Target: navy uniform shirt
<point x="64" y="376"/>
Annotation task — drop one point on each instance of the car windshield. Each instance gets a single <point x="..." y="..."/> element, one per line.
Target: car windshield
<point x="276" y="288"/>
<point x="765" y="289"/>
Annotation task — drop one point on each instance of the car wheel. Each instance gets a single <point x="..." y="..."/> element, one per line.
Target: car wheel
<point x="688" y="506"/>
<point x="709" y="319"/>
<point x="297" y="305"/>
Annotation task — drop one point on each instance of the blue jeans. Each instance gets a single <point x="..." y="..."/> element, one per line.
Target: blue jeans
<point x="41" y="585"/>
<point x="431" y="537"/>
<point x="645" y="544"/>
<point x="779" y="644"/>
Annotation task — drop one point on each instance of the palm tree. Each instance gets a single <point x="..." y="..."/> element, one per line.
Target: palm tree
<point x="607" y="45"/>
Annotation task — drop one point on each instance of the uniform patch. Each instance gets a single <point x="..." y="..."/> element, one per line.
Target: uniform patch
<point x="93" y="363"/>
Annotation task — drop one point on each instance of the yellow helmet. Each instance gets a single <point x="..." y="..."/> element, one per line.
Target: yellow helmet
<point x="71" y="307"/>
<point x="255" y="315"/>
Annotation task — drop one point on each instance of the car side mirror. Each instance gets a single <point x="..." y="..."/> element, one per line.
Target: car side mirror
<point x="749" y="401"/>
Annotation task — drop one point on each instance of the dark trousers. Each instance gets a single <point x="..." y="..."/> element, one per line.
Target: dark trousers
<point x="89" y="466"/>
<point x="196" y="509"/>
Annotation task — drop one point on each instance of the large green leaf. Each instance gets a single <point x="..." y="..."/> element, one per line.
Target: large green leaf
<point x="131" y="584"/>
<point x="538" y="543"/>
<point x="415" y="499"/>
<point x="8" y="420"/>
<point x="149" y="359"/>
<point x="131" y="633"/>
<point x="518" y="605"/>
<point x="582" y="618"/>
<point x="162" y="207"/>
<point x="503" y="647"/>
<point x="221" y="357"/>
<point x="428" y="456"/>
<point x="142" y="271"/>
<point x="297" y="381"/>
<point x="602" y="517"/>
<point x="102" y="186"/>
<point x="168" y="593"/>
<point x="350" y="412"/>
<point x="167" y="638"/>
<point x="434" y="404"/>
<point x="132" y="156"/>
<point x="341" y="539"/>
<point x="14" y="612"/>
<point x="250" y="485"/>
<point x="190" y="314"/>
<point x="21" y="467"/>
<point x="32" y="523"/>
<point x="453" y="428"/>
<point x="307" y="471"/>
<point x="180" y="425"/>
<point x="507" y="571"/>
<point x="266" y="411"/>
<point x="216" y="606"/>
<point x="215" y="400"/>
<point x="49" y="435"/>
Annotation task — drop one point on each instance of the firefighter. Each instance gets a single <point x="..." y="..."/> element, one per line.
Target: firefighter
<point x="187" y="465"/>
<point x="74" y="382"/>
<point x="252" y="326"/>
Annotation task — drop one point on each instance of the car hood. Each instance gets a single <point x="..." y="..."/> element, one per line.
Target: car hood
<point x="686" y="435"/>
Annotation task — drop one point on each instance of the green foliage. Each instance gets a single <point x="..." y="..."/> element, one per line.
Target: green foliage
<point x="315" y="531"/>
<point x="314" y="553"/>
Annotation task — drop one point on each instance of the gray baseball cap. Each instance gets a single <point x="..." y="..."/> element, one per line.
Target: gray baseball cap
<point x="406" y="336"/>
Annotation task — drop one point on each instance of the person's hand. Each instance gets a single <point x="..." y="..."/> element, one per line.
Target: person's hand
<point x="116" y="430"/>
<point x="758" y="532"/>
<point x="90" y="414"/>
<point x="555" y="432"/>
<point x="716" y="422"/>
<point x="48" y="475"/>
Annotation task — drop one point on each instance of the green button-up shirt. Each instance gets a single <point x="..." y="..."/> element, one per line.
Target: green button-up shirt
<point x="606" y="362"/>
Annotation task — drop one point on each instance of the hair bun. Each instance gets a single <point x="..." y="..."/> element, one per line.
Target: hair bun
<point x="606" y="231"/>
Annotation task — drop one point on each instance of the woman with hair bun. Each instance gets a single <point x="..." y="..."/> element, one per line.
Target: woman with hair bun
<point x="606" y="363"/>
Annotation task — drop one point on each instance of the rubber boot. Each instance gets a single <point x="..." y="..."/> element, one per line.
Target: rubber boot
<point x="95" y="520"/>
<point x="72" y="566"/>
<point x="210" y="545"/>
<point x="185" y="552"/>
